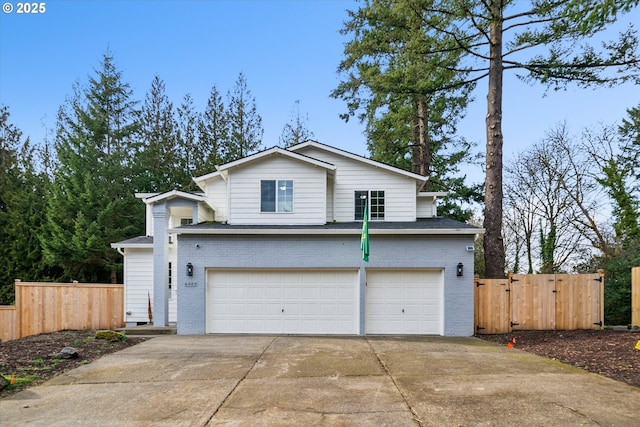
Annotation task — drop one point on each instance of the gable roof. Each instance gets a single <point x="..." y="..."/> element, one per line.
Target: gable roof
<point x="273" y="151"/>
<point x="173" y="194"/>
<point x="140" y="242"/>
<point x="374" y="163"/>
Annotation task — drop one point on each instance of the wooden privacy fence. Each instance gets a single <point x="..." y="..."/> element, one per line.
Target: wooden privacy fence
<point x="51" y="307"/>
<point x="539" y="302"/>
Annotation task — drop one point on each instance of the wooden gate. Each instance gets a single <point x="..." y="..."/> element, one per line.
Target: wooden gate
<point x="492" y="306"/>
<point x="539" y="302"/>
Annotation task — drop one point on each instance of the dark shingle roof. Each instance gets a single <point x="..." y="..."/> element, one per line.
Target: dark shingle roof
<point x="140" y="240"/>
<point x="420" y="224"/>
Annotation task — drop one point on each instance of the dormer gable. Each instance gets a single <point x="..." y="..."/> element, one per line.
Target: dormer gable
<point x="183" y="208"/>
<point x="314" y="148"/>
<point x="312" y="184"/>
<point x="272" y="186"/>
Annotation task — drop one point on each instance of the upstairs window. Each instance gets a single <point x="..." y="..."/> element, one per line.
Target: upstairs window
<point x="361" y="198"/>
<point x="374" y="200"/>
<point x="276" y="195"/>
<point x="376" y="205"/>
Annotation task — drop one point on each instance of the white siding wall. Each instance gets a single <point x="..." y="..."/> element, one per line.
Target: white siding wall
<point x="351" y="175"/>
<point x="309" y="192"/>
<point x="138" y="283"/>
<point x="177" y="214"/>
<point x="330" y="190"/>
<point x="173" y="293"/>
<point x="205" y="212"/>
<point x="426" y="207"/>
<point x="216" y="194"/>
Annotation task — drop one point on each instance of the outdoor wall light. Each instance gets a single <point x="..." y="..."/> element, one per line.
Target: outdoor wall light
<point x="459" y="269"/>
<point x="189" y="269"/>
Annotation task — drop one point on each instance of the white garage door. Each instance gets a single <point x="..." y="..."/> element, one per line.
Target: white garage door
<point x="404" y="302"/>
<point x="282" y="301"/>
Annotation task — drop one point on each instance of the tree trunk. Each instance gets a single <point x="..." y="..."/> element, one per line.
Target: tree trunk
<point x="494" y="254"/>
<point x="421" y="150"/>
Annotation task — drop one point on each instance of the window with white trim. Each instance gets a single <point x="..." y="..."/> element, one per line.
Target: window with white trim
<point x="276" y="195"/>
<point x="376" y="205"/>
<point x="374" y="199"/>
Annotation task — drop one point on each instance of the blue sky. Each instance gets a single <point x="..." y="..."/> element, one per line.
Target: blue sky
<point x="288" y="50"/>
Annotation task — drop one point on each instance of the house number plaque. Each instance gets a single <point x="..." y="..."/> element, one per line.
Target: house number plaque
<point x="190" y="284"/>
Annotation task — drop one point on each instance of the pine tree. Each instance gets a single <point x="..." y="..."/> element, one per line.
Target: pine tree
<point x="295" y="131"/>
<point x="157" y="159"/>
<point x="389" y="86"/>
<point x="187" y="136"/>
<point x="213" y="131"/>
<point x="91" y="202"/>
<point x="245" y="124"/>
<point x="22" y="205"/>
<point x="548" y="41"/>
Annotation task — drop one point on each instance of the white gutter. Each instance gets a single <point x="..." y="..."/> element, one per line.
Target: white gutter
<point x="326" y="231"/>
<point x="131" y="245"/>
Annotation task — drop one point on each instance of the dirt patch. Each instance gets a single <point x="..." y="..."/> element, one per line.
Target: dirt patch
<point x="35" y="359"/>
<point x="610" y="353"/>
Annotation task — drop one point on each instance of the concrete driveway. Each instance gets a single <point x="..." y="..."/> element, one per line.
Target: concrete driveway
<point x="216" y="380"/>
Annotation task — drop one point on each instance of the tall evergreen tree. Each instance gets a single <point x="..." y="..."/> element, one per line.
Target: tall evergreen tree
<point x="388" y="85"/>
<point x="91" y="202"/>
<point x="187" y="136"/>
<point x="157" y="159"/>
<point x="629" y="132"/>
<point x="213" y="131"/>
<point x="22" y="206"/>
<point x="549" y="41"/>
<point x="619" y="174"/>
<point x="245" y="124"/>
<point x="10" y="137"/>
<point x="295" y="131"/>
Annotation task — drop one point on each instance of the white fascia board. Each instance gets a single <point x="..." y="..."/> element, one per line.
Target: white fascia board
<point x="173" y="194"/>
<point x="199" y="180"/>
<point x="433" y="194"/>
<point x="306" y="231"/>
<point x="272" y="151"/>
<point x="421" y="179"/>
<point x="145" y="195"/>
<point x="132" y="245"/>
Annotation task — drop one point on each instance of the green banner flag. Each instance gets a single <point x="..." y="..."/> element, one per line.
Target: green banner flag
<point x="364" y="238"/>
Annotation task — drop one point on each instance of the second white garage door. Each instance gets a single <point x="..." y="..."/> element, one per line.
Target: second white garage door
<point x="404" y="302"/>
<point x="297" y="301"/>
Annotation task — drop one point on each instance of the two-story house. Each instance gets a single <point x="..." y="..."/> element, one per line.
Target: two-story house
<point x="272" y="245"/>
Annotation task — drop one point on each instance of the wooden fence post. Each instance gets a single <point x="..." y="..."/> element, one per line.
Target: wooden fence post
<point x="17" y="290"/>
<point x="635" y="297"/>
<point x="476" y="278"/>
<point x="601" y="274"/>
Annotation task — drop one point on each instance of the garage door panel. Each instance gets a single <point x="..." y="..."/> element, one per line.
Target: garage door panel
<point x="404" y="302"/>
<point x="282" y="301"/>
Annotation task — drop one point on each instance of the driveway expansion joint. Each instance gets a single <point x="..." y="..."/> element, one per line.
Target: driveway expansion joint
<point x="384" y="367"/>
<point x="228" y="396"/>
